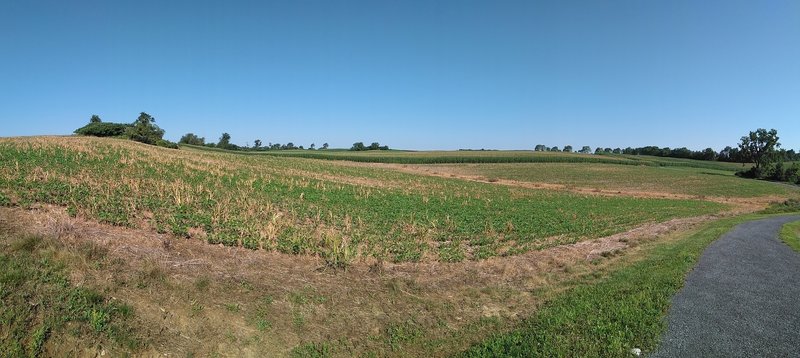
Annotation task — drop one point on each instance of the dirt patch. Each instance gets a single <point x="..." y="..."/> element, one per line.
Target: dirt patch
<point x="192" y="298"/>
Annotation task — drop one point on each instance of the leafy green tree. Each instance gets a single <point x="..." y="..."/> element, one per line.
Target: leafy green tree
<point x="312" y="146"/>
<point x="145" y="130"/>
<point x="358" y="146"/>
<point x="568" y="149"/>
<point x="374" y="146"/>
<point x="555" y="149"/>
<point x="759" y="147"/>
<point x="598" y="150"/>
<point x="95" y="119"/>
<point x="257" y="144"/>
<point x="193" y="139"/>
<point x="585" y="149"/>
<point x="224" y="141"/>
<point x="103" y="129"/>
<point x="540" y="148"/>
<point x="324" y="145"/>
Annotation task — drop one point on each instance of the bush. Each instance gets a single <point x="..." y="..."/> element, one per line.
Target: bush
<point x="103" y="129"/>
<point x="166" y="144"/>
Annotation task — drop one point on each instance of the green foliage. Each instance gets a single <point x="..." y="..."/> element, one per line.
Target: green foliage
<point x="311" y="350"/>
<point x="759" y="147"/>
<point x="95" y="119"/>
<point x="103" y="129"/>
<point x="193" y="139"/>
<point x="144" y="130"/>
<point x="608" y="318"/>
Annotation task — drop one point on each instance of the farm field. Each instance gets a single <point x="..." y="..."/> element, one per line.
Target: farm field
<point x="480" y="156"/>
<point x="680" y="180"/>
<point x="203" y="252"/>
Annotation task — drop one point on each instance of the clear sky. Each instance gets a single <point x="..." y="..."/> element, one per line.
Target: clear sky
<point x="411" y="74"/>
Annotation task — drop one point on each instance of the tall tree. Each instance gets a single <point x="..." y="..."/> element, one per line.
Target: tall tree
<point x="145" y="130"/>
<point x="585" y="149"/>
<point x="95" y="119"/>
<point x="759" y="147"/>
<point x="224" y="141"/>
<point x="568" y="148"/>
<point x="324" y="145"/>
<point x="257" y="144"/>
<point x="540" y="148"/>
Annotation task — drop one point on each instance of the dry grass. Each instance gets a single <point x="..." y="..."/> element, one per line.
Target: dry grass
<point x="194" y="298"/>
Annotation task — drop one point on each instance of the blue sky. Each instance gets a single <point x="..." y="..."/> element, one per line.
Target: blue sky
<point x="410" y="74"/>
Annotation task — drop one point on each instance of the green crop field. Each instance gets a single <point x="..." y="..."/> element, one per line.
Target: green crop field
<point x="481" y="156"/>
<point x="302" y="206"/>
<point x="655" y="179"/>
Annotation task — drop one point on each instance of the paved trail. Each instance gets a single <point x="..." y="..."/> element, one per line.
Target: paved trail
<point x="742" y="299"/>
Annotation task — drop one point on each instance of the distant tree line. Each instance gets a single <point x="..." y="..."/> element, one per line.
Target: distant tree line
<point x="727" y="154"/>
<point x="359" y="146"/>
<point x="759" y="147"/>
<point x="224" y="142"/>
<point x="143" y="130"/>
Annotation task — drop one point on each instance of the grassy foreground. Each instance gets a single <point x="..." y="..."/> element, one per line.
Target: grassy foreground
<point x="37" y="301"/>
<point x="790" y="234"/>
<point x="608" y="317"/>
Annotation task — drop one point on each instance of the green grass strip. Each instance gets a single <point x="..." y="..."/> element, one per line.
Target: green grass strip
<point x="608" y="318"/>
<point x="790" y="234"/>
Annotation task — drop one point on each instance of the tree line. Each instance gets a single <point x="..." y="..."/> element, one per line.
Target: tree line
<point x="727" y="154"/>
<point x="759" y="147"/>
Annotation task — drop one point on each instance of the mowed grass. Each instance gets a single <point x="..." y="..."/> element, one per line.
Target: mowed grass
<point x="609" y="316"/>
<point x="652" y="179"/>
<point x="301" y="206"/>
<point x="790" y="234"/>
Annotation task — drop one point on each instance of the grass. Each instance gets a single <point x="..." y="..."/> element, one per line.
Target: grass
<point x="38" y="303"/>
<point x="665" y="179"/>
<point x="607" y="317"/>
<point x="790" y="234"/>
<point x="300" y="206"/>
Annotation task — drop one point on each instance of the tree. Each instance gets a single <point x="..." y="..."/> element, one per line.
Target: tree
<point x="193" y="139"/>
<point x="585" y="149"/>
<point x="324" y="145"/>
<point x="224" y="141"/>
<point x="358" y="146"/>
<point x="257" y="144"/>
<point x="103" y="129"/>
<point x="617" y="151"/>
<point x="555" y="149"/>
<point x="759" y="147"/>
<point x="540" y="148"/>
<point x="598" y="150"/>
<point x="312" y="146"/>
<point x="568" y="148"/>
<point x="144" y="130"/>
<point x="374" y="146"/>
<point x="95" y="119"/>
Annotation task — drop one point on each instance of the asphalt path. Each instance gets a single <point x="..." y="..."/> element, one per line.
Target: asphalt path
<point x="741" y="300"/>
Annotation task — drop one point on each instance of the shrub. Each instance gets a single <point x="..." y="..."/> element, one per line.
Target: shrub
<point x="103" y="129"/>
